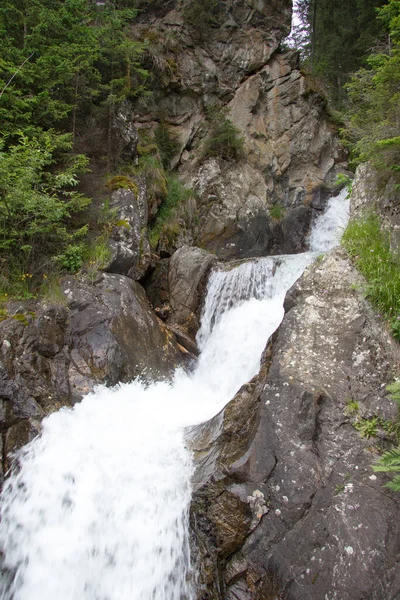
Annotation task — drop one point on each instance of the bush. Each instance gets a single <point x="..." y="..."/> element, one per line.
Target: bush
<point x="72" y="258"/>
<point x="168" y="144"/>
<point x="39" y="209"/>
<point x="201" y="14"/>
<point x="165" y="224"/>
<point x="369" y="248"/>
<point x="224" y="140"/>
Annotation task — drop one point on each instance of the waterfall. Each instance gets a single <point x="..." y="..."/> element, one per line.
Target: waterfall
<point x="98" y="509"/>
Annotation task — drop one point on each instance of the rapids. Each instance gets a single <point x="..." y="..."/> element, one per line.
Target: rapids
<point x="98" y="509"/>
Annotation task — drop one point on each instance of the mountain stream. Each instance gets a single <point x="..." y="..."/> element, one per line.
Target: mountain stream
<point x="98" y="509"/>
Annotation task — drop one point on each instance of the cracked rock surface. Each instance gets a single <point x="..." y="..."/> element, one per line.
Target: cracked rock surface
<point x="285" y="460"/>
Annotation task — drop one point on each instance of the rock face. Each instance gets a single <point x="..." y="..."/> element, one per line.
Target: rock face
<point x="287" y="464"/>
<point x="129" y="245"/>
<point x="188" y="271"/>
<point x="291" y="153"/>
<point x="53" y="355"/>
<point x="371" y="192"/>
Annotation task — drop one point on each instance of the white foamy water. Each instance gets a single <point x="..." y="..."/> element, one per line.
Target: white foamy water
<point x="329" y="226"/>
<point x="99" y="507"/>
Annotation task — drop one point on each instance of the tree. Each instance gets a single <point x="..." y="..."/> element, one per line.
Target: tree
<point x="37" y="203"/>
<point x="335" y="38"/>
<point x="224" y="140"/>
<point x="373" y="126"/>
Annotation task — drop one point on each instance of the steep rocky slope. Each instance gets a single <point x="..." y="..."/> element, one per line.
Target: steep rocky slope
<point x="263" y="202"/>
<point x="286" y="504"/>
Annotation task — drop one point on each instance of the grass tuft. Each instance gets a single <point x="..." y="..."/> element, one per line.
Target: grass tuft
<point x="369" y="248"/>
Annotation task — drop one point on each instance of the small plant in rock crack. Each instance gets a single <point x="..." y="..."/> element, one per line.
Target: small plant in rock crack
<point x="351" y="408"/>
<point x="277" y="211"/>
<point x="367" y="427"/>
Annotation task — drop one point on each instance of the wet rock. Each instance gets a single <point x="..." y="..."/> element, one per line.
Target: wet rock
<point x="129" y="245"/>
<point x="52" y="355"/>
<point x="188" y="271"/>
<point x="114" y="334"/>
<point x="156" y="283"/>
<point x="322" y="525"/>
<point x="18" y="435"/>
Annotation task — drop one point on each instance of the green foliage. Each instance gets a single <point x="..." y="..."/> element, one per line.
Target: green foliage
<point x="37" y="202"/>
<point x="390" y="461"/>
<point x="394" y="389"/>
<point x="168" y="144"/>
<point x="122" y="182"/>
<point x="97" y="255"/>
<point x="60" y="63"/>
<point x="373" y="127"/>
<point x="367" y="427"/>
<point x="72" y="258"/>
<point x="370" y="251"/>
<point x="165" y="226"/>
<point x="346" y="181"/>
<point x="277" y="211"/>
<point x="78" y="55"/>
<point x="224" y="140"/>
<point x="151" y="168"/>
<point x="352" y="407"/>
<point x="161" y="52"/>
<point x="334" y="38"/>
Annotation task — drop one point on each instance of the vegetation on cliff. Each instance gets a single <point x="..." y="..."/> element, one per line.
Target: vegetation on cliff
<point x="62" y="65"/>
<point x="369" y="247"/>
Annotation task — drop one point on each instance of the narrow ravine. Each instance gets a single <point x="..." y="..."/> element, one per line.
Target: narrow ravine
<point x="99" y="507"/>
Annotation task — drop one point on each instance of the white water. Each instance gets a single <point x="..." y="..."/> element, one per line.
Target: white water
<point x="99" y="508"/>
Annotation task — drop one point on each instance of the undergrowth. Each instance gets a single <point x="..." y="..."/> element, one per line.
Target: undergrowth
<point x="368" y="246"/>
<point x="166" y="225"/>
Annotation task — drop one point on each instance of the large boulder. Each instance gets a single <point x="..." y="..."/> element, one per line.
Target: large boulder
<point x="129" y="244"/>
<point x="52" y="355"/>
<point x="113" y="334"/>
<point x="293" y="455"/>
<point x="188" y="271"/>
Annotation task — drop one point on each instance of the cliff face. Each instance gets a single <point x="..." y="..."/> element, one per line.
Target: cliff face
<point x="290" y="151"/>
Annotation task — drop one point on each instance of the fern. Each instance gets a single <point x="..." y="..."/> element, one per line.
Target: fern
<point x="394" y="389"/>
<point x="390" y="460"/>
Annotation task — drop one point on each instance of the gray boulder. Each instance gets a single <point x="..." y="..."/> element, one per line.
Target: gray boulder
<point x="52" y="355"/>
<point x="129" y="245"/>
<point x="188" y="271"/>
<point x="113" y="334"/>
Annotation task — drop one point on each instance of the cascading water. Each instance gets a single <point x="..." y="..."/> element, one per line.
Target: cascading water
<point x="98" y="509"/>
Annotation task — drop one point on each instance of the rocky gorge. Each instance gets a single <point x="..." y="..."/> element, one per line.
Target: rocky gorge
<point x="285" y="505"/>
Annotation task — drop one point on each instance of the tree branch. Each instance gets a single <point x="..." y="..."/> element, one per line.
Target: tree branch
<point x="16" y="72"/>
